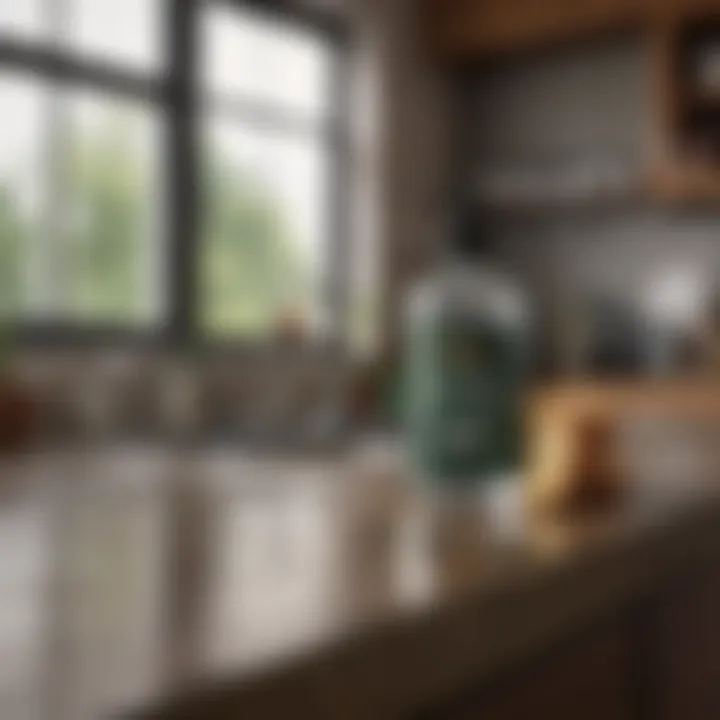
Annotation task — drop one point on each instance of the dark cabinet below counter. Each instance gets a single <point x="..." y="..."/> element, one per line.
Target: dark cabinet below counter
<point x="590" y="679"/>
<point x="425" y="610"/>
<point x="658" y="660"/>
<point x="687" y="649"/>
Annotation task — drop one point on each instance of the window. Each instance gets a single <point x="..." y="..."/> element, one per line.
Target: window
<point x="77" y="205"/>
<point x="21" y="189"/>
<point x="22" y="20"/>
<point x="266" y="171"/>
<point x="258" y="59"/>
<point x="80" y="168"/>
<point x="126" y="33"/>
<point x="111" y="229"/>
<point x="102" y="176"/>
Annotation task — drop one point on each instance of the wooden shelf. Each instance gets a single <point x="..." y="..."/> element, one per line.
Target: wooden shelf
<point x="688" y="182"/>
<point x="462" y="29"/>
<point x="682" y="182"/>
<point x="550" y="203"/>
<point x="685" y="166"/>
<point x="459" y="30"/>
<point x="572" y="428"/>
<point x="705" y="99"/>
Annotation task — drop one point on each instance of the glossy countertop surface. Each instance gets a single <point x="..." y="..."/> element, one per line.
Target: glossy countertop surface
<point x="131" y="577"/>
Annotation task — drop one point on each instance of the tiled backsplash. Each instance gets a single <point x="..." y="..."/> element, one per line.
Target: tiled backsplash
<point x="572" y="109"/>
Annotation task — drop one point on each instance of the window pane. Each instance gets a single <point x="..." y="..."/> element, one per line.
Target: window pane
<point x="111" y="197"/>
<point x="21" y="110"/>
<point x="264" y="232"/>
<point x="21" y="19"/>
<point x="263" y="60"/>
<point x="125" y="32"/>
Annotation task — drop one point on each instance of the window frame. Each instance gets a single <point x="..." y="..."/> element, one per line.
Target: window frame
<point x="176" y="93"/>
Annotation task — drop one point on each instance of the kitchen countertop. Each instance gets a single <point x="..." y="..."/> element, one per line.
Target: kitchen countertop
<point x="142" y="580"/>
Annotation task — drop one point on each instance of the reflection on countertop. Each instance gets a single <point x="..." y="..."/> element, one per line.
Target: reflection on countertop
<point x="132" y="577"/>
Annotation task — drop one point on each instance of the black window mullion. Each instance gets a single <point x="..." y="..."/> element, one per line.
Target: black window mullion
<point x="60" y="67"/>
<point x="183" y="168"/>
<point x="337" y="281"/>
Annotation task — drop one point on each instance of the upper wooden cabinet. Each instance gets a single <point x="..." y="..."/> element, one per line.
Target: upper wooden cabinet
<point x="463" y="29"/>
<point x="467" y="29"/>
<point x="680" y="157"/>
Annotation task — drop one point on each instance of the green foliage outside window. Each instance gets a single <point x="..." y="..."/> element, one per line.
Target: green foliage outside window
<point x="251" y="268"/>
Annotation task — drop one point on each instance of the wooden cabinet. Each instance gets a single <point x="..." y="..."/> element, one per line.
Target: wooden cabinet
<point x="462" y="29"/>
<point x="591" y="678"/>
<point x="659" y="659"/>
<point x="681" y="160"/>
<point x="684" y="157"/>
<point x="687" y="639"/>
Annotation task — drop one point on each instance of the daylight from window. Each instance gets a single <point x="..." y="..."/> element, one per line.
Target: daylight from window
<point x="83" y="172"/>
<point x="266" y="175"/>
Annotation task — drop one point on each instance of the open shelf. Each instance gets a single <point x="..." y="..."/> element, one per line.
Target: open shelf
<point x="549" y="203"/>
<point x="686" y="115"/>
<point x="705" y="100"/>
<point x="687" y="182"/>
